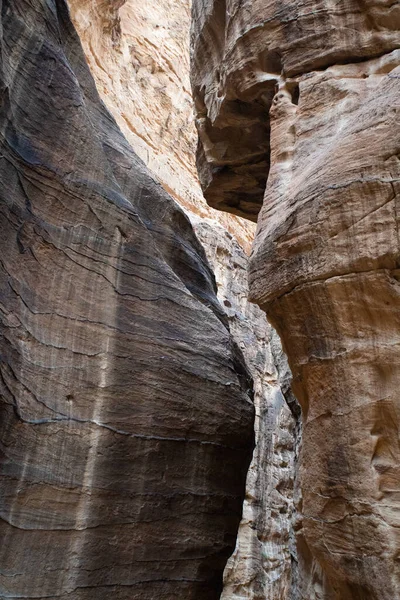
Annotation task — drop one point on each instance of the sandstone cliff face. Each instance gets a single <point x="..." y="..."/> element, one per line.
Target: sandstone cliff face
<point x="138" y="53"/>
<point x="326" y="257"/>
<point x="243" y="50"/>
<point x="123" y="395"/>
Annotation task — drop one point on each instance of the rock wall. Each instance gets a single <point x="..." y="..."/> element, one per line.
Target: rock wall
<point x="138" y="53"/>
<point x="264" y="564"/>
<point x="322" y="80"/>
<point x="127" y="424"/>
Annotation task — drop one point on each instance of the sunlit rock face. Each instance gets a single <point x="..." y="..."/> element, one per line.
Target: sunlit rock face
<point x="325" y="263"/>
<point x="138" y="54"/>
<point x="325" y="268"/>
<point x="242" y="50"/>
<point x="127" y="424"/>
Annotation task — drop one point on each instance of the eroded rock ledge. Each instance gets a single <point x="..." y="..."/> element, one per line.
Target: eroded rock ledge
<point x="123" y="396"/>
<point x="241" y="53"/>
<point x="325" y="263"/>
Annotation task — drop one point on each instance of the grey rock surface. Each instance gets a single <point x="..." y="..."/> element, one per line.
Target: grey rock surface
<point x="127" y="423"/>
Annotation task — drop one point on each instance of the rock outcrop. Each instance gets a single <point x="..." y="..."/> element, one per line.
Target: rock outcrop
<point x="241" y="52"/>
<point x="322" y="81"/>
<point x="127" y="426"/>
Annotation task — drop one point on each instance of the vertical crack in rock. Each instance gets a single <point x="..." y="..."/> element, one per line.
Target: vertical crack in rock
<point x="325" y="261"/>
<point x="127" y="427"/>
<point x="265" y="559"/>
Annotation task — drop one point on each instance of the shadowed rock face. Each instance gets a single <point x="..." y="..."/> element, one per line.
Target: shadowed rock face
<point x="263" y="565"/>
<point x="126" y="427"/>
<point x="325" y="263"/>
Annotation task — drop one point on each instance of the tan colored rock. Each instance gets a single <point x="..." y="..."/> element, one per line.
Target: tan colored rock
<point x="325" y="263"/>
<point x="241" y="49"/>
<point x="138" y="53"/>
<point x="324" y="267"/>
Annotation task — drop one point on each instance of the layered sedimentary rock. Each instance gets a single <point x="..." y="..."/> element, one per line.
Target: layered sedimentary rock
<point x="264" y="564"/>
<point x="138" y="53"/>
<point x="325" y="264"/>
<point x="127" y="423"/>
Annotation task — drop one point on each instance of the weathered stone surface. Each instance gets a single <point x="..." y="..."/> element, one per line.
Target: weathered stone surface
<point x="126" y="425"/>
<point x="138" y="54"/>
<point x="325" y="269"/>
<point x="325" y="263"/>
<point x="264" y="562"/>
<point x="241" y="51"/>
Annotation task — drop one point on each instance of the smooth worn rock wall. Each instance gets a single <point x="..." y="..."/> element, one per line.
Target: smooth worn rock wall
<point x="325" y="261"/>
<point x="138" y="53"/>
<point x="127" y="420"/>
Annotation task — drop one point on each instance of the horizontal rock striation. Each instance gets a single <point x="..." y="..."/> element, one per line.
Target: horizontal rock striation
<point x="325" y="263"/>
<point x="127" y="424"/>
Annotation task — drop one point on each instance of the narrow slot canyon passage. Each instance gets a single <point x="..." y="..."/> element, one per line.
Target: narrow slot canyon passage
<point x="142" y="74"/>
<point x="199" y="300"/>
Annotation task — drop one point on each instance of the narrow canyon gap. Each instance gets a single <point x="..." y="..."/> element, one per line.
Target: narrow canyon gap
<point x="297" y="108"/>
<point x="138" y="55"/>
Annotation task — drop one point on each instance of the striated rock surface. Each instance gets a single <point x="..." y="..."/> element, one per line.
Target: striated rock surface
<point x="325" y="263"/>
<point x="264" y="562"/>
<point x="138" y="53"/>
<point x="325" y="268"/>
<point x="127" y="426"/>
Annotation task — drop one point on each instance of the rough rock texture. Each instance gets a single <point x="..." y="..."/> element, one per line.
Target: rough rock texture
<point x="325" y="267"/>
<point x="242" y="50"/>
<point x="264" y="562"/>
<point x="126" y="427"/>
<point x="138" y="53"/>
<point x="325" y="264"/>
